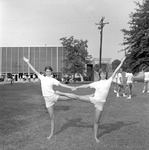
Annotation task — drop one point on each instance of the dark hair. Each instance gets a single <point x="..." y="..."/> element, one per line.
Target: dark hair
<point x="48" y="67"/>
<point x="105" y="72"/>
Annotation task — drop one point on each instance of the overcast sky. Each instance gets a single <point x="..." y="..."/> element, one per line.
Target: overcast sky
<point x="40" y="22"/>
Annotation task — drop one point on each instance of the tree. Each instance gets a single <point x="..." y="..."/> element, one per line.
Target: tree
<point x="76" y="55"/>
<point x="103" y="67"/>
<point x="115" y="63"/>
<point x="137" y="38"/>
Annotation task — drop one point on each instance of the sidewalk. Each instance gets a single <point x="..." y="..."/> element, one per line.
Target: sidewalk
<point x="8" y="82"/>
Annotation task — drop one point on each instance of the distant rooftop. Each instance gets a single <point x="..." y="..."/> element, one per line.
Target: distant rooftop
<point x="103" y="60"/>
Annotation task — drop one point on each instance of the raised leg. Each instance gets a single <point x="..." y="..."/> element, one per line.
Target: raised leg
<point x="73" y="96"/>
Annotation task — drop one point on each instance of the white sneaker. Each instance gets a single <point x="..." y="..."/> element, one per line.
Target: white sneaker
<point x="143" y="91"/>
<point x="129" y="97"/>
<point x="124" y="95"/>
<point x="117" y="95"/>
<point x="115" y="91"/>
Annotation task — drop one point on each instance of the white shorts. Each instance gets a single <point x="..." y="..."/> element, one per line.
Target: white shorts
<point x="97" y="102"/>
<point x="51" y="100"/>
<point x="146" y="80"/>
<point x="129" y="82"/>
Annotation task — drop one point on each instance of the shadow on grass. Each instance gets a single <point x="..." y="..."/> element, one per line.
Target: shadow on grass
<point x="108" y="128"/>
<point x="134" y="95"/>
<point x="74" y="123"/>
<point x="61" y="108"/>
<point x="10" y="126"/>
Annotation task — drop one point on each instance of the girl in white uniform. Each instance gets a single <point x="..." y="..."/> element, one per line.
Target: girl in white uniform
<point x="129" y="81"/>
<point x="98" y="98"/>
<point x="115" y="83"/>
<point x="120" y="83"/>
<point x="146" y="81"/>
<point x="48" y="93"/>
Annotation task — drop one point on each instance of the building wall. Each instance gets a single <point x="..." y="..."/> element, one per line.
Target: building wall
<point x="11" y="59"/>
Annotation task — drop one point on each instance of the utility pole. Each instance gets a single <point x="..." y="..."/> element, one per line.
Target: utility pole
<point x="101" y="24"/>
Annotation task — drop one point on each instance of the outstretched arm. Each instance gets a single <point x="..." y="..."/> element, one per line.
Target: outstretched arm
<point x="82" y="86"/>
<point x="65" y="86"/>
<point x="119" y="66"/>
<point x="72" y="87"/>
<point x="27" y="61"/>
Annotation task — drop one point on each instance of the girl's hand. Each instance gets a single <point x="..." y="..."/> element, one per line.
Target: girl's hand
<point x="25" y="59"/>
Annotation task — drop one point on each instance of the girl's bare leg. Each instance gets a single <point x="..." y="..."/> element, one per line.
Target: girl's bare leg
<point x="147" y="87"/>
<point x="98" y="114"/>
<point x="86" y="98"/>
<point x="130" y="89"/>
<point x="73" y="96"/>
<point x="118" y="91"/>
<point x="124" y="90"/>
<point x="69" y="95"/>
<point x="50" y="110"/>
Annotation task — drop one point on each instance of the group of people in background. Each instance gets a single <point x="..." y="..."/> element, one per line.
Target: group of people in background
<point x="123" y="83"/>
<point x="146" y="80"/>
<point x="23" y="78"/>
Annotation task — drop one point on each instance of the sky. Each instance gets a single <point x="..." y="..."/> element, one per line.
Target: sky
<point x="44" y="22"/>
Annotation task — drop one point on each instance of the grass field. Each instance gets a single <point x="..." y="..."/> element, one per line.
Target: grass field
<point x="24" y="121"/>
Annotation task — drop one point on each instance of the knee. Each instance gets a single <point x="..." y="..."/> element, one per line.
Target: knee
<point x="96" y="121"/>
<point x="51" y="116"/>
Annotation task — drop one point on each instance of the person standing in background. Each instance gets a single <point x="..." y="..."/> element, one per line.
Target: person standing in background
<point x="120" y="83"/>
<point x="129" y="82"/>
<point x="115" y="83"/>
<point x="146" y="80"/>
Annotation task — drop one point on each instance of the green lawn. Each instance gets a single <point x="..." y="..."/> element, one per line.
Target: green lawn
<point x="24" y="121"/>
